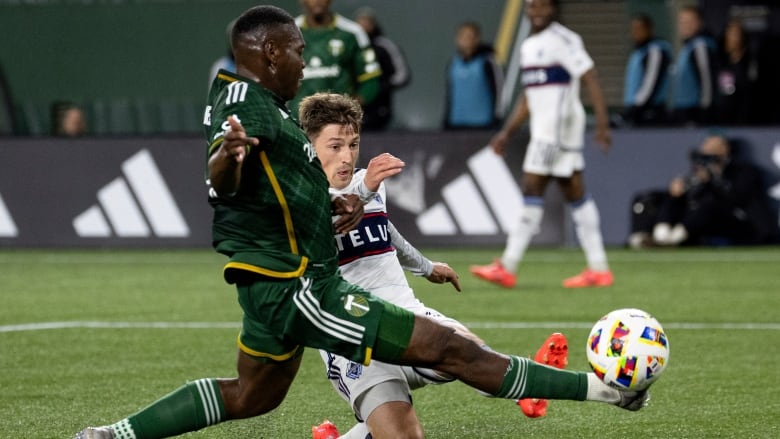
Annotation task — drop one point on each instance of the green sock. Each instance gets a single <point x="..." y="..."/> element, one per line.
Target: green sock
<point x="527" y="379"/>
<point x="191" y="407"/>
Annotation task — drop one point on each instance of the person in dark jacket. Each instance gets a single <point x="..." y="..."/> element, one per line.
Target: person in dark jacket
<point x="396" y="74"/>
<point x="474" y="81"/>
<point x="693" y="91"/>
<point x="647" y="72"/>
<point x="721" y="200"/>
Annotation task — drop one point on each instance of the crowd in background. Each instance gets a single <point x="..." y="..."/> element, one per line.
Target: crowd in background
<point x="707" y="76"/>
<point x="722" y="81"/>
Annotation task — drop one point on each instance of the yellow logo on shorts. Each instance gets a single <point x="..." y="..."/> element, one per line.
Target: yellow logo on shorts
<point x="356" y="305"/>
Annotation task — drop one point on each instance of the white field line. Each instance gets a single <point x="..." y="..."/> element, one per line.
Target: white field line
<point x="41" y="326"/>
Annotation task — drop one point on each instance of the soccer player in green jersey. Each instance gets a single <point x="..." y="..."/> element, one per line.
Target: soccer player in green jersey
<point x="339" y="55"/>
<point x="272" y="218"/>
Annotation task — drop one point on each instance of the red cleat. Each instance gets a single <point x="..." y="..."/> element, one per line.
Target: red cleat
<point x="326" y="430"/>
<point x="590" y="278"/>
<point x="495" y="273"/>
<point x="553" y="352"/>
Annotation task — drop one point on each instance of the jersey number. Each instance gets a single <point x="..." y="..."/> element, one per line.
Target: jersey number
<point x="236" y="92"/>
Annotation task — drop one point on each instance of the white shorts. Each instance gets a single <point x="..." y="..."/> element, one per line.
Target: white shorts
<point x="547" y="158"/>
<point x="367" y="387"/>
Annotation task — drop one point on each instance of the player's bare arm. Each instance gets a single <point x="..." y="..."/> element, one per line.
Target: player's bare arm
<point x="603" y="136"/>
<point x="225" y="164"/>
<point x="519" y="116"/>
<point x="380" y="167"/>
<point x="443" y="273"/>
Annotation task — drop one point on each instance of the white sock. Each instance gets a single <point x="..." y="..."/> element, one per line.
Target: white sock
<point x="587" y="224"/>
<point x="598" y="391"/>
<point x="661" y="233"/>
<point x="678" y="234"/>
<point x="358" y="431"/>
<point x="526" y="227"/>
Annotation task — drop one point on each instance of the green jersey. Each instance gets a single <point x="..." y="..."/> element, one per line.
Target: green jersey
<point x="339" y="59"/>
<point x="278" y="223"/>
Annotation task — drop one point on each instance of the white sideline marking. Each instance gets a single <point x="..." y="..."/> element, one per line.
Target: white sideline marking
<point x="477" y="325"/>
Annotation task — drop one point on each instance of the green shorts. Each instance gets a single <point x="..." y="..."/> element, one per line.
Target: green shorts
<point x="282" y="316"/>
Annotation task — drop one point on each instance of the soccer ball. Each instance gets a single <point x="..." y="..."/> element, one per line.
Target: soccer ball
<point x="628" y="349"/>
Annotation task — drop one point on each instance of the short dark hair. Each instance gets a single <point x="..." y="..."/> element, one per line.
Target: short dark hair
<point x="473" y="25"/>
<point x="257" y="17"/>
<point x="645" y="20"/>
<point x="322" y="109"/>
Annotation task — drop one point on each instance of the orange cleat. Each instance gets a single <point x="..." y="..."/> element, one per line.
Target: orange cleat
<point x="326" y="430"/>
<point x="553" y="352"/>
<point x="590" y="278"/>
<point x="495" y="273"/>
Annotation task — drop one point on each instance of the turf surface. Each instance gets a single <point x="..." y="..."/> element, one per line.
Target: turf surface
<point x="88" y="337"/>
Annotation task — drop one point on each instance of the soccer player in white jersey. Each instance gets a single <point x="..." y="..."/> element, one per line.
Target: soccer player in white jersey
<point x="554" y="60"/>
<point x="374" y="256"/>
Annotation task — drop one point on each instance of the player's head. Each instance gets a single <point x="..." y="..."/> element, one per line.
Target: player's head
<point x="688" y="22"/>
<point x="468" y="38"/>
<point x="316" y="11"/>
<point x="641" y="28"/>
<point x="716" y="145"/>
<point x="268" y="48"/>
<point x="541" y="13"/>
<point x="332" y="122"/>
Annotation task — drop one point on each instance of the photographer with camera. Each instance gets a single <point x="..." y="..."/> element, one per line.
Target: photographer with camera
<point x="721" y="201"/>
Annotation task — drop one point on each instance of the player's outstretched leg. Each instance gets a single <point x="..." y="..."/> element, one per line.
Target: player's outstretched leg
<point x="507" y="376"/>
<point x="260" y="388"/>
<point x="553" y="352"/>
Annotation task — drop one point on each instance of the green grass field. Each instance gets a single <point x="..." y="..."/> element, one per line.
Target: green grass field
<point x="126" y="327"/>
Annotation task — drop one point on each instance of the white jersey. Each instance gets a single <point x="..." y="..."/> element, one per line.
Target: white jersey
<point x="366" y="254"/>
<point x="553" y="61"/>
<point x="368" y="258"/>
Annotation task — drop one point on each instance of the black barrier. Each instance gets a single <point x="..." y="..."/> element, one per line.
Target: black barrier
<point x="150" y="192"/>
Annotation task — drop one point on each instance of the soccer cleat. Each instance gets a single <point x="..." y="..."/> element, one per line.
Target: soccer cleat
<point x="590" y="278"/>
<point x="495" y="273"/>
<point x="95" y="433"/>
<point x="634" y="400"/>
<point x="326" y="430"/>
<point x="553" y="352"/>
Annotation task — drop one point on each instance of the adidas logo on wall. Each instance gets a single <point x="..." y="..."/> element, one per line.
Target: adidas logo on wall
<point x="470" y="198"/>
<point x="134" y="205"/>
<point x="7" y="226"/>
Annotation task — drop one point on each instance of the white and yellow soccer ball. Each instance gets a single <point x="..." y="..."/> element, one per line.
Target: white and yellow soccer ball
<point x="628" y="349"/>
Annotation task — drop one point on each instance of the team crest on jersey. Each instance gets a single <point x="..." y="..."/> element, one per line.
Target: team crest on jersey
<point x="356" y="305"/>
<point x="336" y="47"/>
<point x="354" y="370"/>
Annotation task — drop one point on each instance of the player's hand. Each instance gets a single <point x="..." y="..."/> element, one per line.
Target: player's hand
<point x="443" y="273"/>
<point x="350" y="210"/>
<point x="235" y="141"/>
<point x="603" y="136"/>
<point x="677" y="187"/>
<point x="498" y="142"/>
<point x="380" y="167"/>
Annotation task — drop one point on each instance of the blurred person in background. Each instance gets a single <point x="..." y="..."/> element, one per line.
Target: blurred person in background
<point x="647" y="70"/>
<point x="396" y="74"/>
<point x="693" y="89"/>
<point x="339" y="56"/>
<point x="68" y="120"/>
<point x="737" y="78"/>
<point x="474" y="81"/>
<point x="554" y="60"/>
<point x="225" y="62"/>
<point x="721" y="200"/>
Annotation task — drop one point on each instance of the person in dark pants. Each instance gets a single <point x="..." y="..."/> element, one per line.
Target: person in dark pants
<point x="720" y="201"/>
